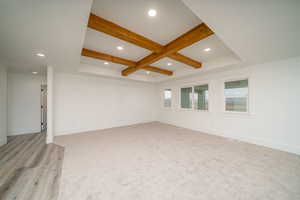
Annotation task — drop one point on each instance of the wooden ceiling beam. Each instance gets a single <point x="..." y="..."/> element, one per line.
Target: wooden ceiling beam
<point x="105" y="26"/>
<point x="186" y="60"/>
<point x="194" y="35"/>
<point x="158" y="70"/>
<point x="122" y="61"/>
<point x="106" y="57"/>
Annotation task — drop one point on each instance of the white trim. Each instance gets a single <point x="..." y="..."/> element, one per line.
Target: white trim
<point x="236" y="78"/>
<point x="257" y="141"/>
<point x="163" y="98"/>
<point x="80" y="131"/>
<point x="50" y="82"/>
<point x="192" y="85"/>
<point x="23" y="132"/>
<point x="2" y="142"/>
<point x="3" y="104"/>
<point x="192" y="106"/>
<point x="208" y="106"/>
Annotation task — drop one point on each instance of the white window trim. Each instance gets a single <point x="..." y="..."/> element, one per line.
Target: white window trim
<point x="192" y="107"/>
<point x="239" y="78"/>
<point x="163" y="98"/>
<point x="208" y="108"/>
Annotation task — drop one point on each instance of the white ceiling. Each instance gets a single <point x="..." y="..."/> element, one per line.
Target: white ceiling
<point x="102" y="42"/>
<point x="218" y="49"/>
<point x="53" y="27"/>
<point x="257" y="30"/>
<point x="172" y="20"/>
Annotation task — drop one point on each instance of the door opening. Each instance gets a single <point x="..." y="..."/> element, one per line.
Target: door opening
<point x="43" y="108"/>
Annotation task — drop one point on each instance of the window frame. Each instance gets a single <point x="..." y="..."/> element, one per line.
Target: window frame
<point x="192" y="85"/>
<point x="186" y="86"/>
<point x="240" y="78"/>
<point x="208" y="106"/>
<point x="163" y="98"/>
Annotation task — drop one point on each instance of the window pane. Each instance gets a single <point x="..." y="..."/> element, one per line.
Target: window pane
<point x="236" y="96"/>
<point x="167" y="98"/>
<point x="186" y="97"/>
<point x="201" y="97"/>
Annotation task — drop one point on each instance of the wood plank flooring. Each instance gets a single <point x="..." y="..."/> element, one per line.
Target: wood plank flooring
<point x="29" y="168"/>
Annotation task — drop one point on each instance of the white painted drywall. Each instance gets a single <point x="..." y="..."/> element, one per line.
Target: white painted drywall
<point x="50" y="126"/>
<point x="274" y="105"/>
<point x="257" y="31"/>
<point x="24" y="112"/>
<point x="3" y="105"/>
<point x="83" y="103"/>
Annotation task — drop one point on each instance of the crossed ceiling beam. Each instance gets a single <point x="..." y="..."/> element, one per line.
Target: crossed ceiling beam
<point x="170" y="50"/>
<point x="105" y="26"/>
<point x="122" y="61"/>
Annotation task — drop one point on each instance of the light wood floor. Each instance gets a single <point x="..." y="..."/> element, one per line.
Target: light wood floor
<point x="30" y="169"/>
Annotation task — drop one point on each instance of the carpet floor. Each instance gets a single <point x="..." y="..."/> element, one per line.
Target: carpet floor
<point x="155" y="161"/>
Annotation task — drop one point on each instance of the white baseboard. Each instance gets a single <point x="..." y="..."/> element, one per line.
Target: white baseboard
<point x="279" y="146"/>
<point x="23" y="132"/>
<point x="257" y="141"/>
<point x="77" y="131"/>
<point x="2" y="142"/>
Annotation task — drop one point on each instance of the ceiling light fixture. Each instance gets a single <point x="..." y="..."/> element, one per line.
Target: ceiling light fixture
<point x="40" y="54"/>
<point x="106" y="63"/>
<point x="169" y="64"/>
<point x="120" y="48"/>
<point x="34" y="72"/>
<point x="152" y="13"/>
<point x="147" y="72"/>
<point x="207" y="49"/>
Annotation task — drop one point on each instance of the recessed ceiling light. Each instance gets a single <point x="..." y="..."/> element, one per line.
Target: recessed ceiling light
<point x="40" y="54"/>
<point x="152" y="13"/>
<point x="169" y="64"/>
<point x="147" y="72"/>
<point x="207" y="49"/>
<point x="120" y="48"/>
<point x="106" y="63"/>
<point x="34" y="72"/>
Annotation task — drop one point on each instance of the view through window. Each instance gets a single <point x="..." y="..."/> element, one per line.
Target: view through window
<point x="236" y="96"/>
<point x="167" y="98"/>
<point x="201" y="97"/>
<point x="186" y="95"/>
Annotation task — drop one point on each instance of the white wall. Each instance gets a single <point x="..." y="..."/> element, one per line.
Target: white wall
<point x="24" y="112"/>
<point x="83" y="103"/>
<point x="274" y="105"/>
<point x="50" y="126"/>
<point x="3" y="105"/>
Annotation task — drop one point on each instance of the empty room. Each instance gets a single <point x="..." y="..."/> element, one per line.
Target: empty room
<point x="149" y="100"/>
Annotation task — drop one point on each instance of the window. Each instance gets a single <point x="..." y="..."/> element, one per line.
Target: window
<point x="167" y="98"/>
<point x="201" y="97"/>
<point x="186" y="95"/>
<point x="236" y="96"/>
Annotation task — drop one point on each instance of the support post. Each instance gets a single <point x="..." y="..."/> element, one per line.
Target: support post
<point x="50" y="76"/>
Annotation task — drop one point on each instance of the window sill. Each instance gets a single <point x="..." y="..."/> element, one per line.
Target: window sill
<point x="193" y="110"/>
<point x="186" y="109"/>
<point x="241" y="114"/>
<point x="204" y="111"/>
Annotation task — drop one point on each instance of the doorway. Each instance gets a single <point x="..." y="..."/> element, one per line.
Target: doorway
<point x="43" y="108"/>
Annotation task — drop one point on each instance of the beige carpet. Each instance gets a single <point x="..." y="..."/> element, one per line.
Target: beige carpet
<point x="156" y="161"/>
